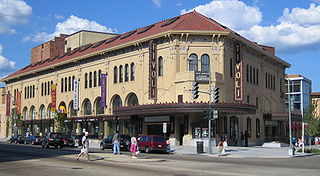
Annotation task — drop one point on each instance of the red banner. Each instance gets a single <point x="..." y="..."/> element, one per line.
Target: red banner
<point x="19" y="102"/>
<point x="53" y="97"/>
<point x="8" y="101"/>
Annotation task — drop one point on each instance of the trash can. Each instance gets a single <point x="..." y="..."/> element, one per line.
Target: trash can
<point x="199" y="146"/>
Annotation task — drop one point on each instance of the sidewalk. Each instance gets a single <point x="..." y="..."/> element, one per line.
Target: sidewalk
<point x="241" y="152"/>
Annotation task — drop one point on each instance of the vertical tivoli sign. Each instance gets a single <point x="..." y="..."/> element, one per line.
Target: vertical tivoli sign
<point x="152" y="70"/>
<point x="238" y="88"/>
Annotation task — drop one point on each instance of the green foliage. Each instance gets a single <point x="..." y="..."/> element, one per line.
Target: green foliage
<point x="59" y="119"/>
<point x="313" y="122"/>
<point x="312" y="150"/>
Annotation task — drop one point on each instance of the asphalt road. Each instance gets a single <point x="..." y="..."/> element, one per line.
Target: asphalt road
<point x="19" y="159"/>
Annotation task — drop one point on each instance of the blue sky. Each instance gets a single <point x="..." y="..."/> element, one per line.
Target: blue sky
<point x="292" y="26"/>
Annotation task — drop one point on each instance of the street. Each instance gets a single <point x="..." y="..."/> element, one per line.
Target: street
<point x="27" y="160"/>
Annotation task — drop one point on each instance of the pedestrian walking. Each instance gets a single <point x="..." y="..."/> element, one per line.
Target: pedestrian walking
<point x="246" y="136"/>
<point x="133" y="147"/>
<point x="221" y="146"/>
<point x="85" y="146"/>
<point x="116" y="143"/>
<point x="242" y="138"/>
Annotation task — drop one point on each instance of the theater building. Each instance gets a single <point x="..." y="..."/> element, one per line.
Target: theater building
<point x="139" y="82"/>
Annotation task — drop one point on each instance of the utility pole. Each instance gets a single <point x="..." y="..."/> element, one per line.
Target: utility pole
<point x="289" y="113"/>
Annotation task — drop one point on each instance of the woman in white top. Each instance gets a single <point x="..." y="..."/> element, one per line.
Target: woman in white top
<point x="85" y="146"/>
<point x="133" y="147"/>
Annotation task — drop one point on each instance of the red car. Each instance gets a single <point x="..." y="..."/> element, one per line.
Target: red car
<point x="150" y="143"/>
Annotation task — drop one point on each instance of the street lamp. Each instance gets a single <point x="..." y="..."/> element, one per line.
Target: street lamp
<point x="289" y="113"/>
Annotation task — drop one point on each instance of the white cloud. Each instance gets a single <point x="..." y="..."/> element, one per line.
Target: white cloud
<point x="297" y="31"/>
<point x="58" y="17"/>
<point x="310" y="16"/>
<point x="13" y="12"/>
<point x="157" y="3"/>
<point x="232" y="13"/>
<point x="6" y="65"/>
<point x="69" y="26"/>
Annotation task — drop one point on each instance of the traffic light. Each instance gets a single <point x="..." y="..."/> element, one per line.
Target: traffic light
<point x="216" y="95"/>
<point x="195" y="90"/>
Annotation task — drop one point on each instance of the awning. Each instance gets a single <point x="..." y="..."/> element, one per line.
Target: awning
<point x="178" y="108"/>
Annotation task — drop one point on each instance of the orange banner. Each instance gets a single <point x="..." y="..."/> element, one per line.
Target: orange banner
<point x="53" y="97"/>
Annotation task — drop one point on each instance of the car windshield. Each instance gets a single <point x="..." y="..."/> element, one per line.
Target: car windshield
<point x="158" y="139"/>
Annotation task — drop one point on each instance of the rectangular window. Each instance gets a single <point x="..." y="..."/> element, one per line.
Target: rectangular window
<point x="231" y="68"/>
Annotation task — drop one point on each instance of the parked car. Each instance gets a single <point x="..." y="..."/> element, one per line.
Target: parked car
<point x="53" y="139"/>
<point x="18" y="139"/>
<point x="150" y="143"/>
<point x="33" y="140"/>
<point x="125" y="142"/>
<point x="68" y="141"/>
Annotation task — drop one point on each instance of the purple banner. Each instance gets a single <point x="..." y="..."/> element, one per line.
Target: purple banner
<point x="103" y="90"/>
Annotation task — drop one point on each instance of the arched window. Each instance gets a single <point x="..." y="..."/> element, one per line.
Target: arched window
<point x="86" y="80"/>
<point x="132" y="70"/>
<point x="99" y="78"/>
<point x="87" y="107"/>
<point x="69" y="83"/>
<point x="25" y="113"/>
<point x="257" y="128"/>
<point x="249" y="126"/>
<point x="126" y="73"/>
<point x="115" y="75"/>
<point x="73" y="78"/>
<point x="99" y="107"/>
<point x="27" y="91"/>
<point x="50" y="113"/>
<point x="160" y="66"/>
<point x="247" y="73"/>
<point x="193" y="62"/>
<point x="33" y="113"/>
<point x="133" y="100"/>
<point x="49" y="86"/>
<point x="72" y="112"/>
<point x="42" y="89"/>
<point x="95" y="79"/>
<point x="43" y="112"/>
<point x="254" y="75"/>
<point x="65" y="84"/>
<point x="117" y="102"/>
<point x="90" y="79"/>
<point x="250" y="74"/>
<point x="33" y="91"/>
<point x="205" y="63"/>
<point x="120" y="74"/>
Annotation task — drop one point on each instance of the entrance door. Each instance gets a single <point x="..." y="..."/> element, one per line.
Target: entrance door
<point x="234" y="130"/>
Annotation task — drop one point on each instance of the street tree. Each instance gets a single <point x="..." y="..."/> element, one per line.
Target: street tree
<point x="59" y="119"/>
<point x="311" y="121"/>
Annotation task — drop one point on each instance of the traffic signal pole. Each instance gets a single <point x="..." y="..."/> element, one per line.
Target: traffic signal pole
<point x="209" y="119"/>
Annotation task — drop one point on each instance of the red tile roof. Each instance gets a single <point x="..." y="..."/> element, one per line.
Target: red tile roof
<point x="192" y="21"/>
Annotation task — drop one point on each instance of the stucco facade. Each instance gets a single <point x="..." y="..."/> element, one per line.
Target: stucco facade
<point x="146" y="87"/>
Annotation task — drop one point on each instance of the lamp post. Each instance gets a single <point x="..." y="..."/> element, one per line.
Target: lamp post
<point x="289" y="113"/>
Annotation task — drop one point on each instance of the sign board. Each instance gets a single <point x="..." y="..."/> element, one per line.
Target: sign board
<point x="76" y="95"/>
<point x="53" y="97"/>
<point x="164" y="127"/>
<point x="201" y="77"/>
<point x="157" y="119"/>
<point x="103" y="90"/>
<point x="152" y="70"/>
<point x="238" y="81"/>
